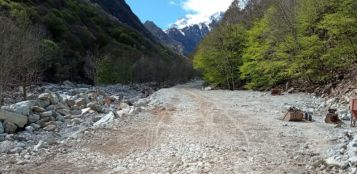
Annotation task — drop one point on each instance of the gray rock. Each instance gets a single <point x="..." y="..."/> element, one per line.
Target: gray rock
<point x="45" y="96"/>
<point x="54" y="99"/>
<point x="33" y="118"/>
<point x="23" y="108"/>
<point x="70" y="102"/>
<point x="2" y="137"/>
<point x="10" y="128"/>
<point x="141" y="103"/>
<point x="46" y="114"/>
<point x="43" y="103"/>
<point x="80" y="102"/>
<point x="35" y="126"/>
<point x="50" y="127"/>
<point x="50" y="108"/>
<point x="69" y="84"/>
<point x="2" y="129"/>
<point x="38" y="109"/>
<point x="95" y="107"/>
<point x="63" y="112"/>
<point x="76" y="121"/>
<point x="29" y="129"/>
<point x="18" y="119"/>
<point x="76" y="112"/>
<point x="6" y="146"/>
<point x="60" y="118"/>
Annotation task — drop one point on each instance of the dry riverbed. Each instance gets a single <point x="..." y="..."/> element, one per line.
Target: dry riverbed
<point x="188" y="130"/>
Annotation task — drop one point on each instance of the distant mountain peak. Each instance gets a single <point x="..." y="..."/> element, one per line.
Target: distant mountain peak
<point x="186" y="22"/>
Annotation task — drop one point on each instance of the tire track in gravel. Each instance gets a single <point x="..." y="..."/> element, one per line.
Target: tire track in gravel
<point x="203" y="102"/>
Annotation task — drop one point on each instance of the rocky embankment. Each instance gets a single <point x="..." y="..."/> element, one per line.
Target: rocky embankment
<point x="57" y="112"/>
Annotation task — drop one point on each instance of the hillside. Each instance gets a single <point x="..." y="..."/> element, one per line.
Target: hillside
<point x="102" y="42"/>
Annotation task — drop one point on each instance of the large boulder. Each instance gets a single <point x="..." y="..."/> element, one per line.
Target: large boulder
<point x="10" y="128"/>
<point x="18" y="119"/>
<point x="24" y="107"/>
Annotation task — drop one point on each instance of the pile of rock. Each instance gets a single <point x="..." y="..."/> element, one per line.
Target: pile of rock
<point x="67" y="103"/>
<point x="61" y="112"/>
<point x="344" y="154"/>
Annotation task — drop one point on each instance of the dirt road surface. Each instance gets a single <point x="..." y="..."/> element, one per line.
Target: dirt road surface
<point x="189" y="130"/>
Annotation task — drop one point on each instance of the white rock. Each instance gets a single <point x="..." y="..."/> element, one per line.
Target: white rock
<point x="44" y="96"/>
<point x="24" y="107"/>
<point x="333" y="161"/>
<point x="105" y="121"/>
<point x="38" y="146"/>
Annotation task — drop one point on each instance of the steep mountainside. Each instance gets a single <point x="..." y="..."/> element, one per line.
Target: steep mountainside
<point x="163" y="37"/>
<point x="122" y="11"/>
<point x="100" y="41"/>
<point x="189" y="36"/>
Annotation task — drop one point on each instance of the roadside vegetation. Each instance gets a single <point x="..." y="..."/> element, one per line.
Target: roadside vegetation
<point x="277" y="42"/>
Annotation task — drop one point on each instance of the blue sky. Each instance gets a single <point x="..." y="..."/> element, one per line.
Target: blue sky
<point x="167" y="12"/>
<point x="162" y="12"/>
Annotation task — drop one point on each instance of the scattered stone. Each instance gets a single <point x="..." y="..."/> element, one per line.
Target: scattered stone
<point x="80" y="102"/>
<point x="29" y="129"/>
<point x="23" y="108"/>
<point x="38" y="109"/>
<point x="46" y="114"/>
<point x="95" y="107"/>
<point x="2" y="129"/>
<point x="35" y="126"/>
<point x="33" y="118"/>
<point x="76" y="112"/>
<point x="63" y="112"/>
<point x="6" y="146"/>
<point x="70" y="102"/>
<point x="43" y="103"/>
<point x="19" y="120"/>
<point x="50" y="127"/>
<point x="54" y="99"/>
<point x="44" y="96"/>
<point x="10" y="128"/>
<point x="38" y="146"/>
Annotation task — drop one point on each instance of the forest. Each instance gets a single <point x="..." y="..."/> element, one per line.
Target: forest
<point x="77" y="40"/>
<point x="299" y="43"/>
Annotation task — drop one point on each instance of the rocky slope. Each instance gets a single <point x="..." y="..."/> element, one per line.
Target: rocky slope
<point x="163" y="37"/>
<point x="121" y="10"/>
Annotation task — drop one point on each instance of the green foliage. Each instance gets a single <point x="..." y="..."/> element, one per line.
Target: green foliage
<point x="309" y="42"/>
<point x="220" y="55"/>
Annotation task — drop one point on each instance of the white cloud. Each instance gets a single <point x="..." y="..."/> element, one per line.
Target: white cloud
<point x="200" y="10"/>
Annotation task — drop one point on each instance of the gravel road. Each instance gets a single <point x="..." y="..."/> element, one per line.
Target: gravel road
<point x="188" y="130"/>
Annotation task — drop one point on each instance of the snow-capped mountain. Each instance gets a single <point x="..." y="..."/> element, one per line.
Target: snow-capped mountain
<point x="187" y="22"/>
<point x="188" y="36"/>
